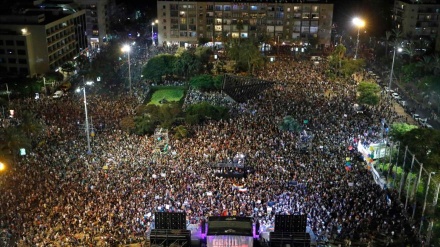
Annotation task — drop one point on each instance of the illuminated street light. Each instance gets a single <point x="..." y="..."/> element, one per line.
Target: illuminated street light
<point x="2" y="167"/>
<point x="152" y="31"/>
<point x="89" y="149"/>
<point x="392" y="65"/>
<point x="359" y="23"/>
<point x="127" y="48"/>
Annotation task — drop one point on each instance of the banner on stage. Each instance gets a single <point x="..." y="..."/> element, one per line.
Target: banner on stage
<point x="229" y="241"/>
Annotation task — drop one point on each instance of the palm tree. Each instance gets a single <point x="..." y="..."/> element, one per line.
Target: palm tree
<point x="436" y="64"/>
<point x="239" y="28"/>
<point x="180" y="132"/>
<point x="426" y="64"/>
<point x="410" y="50"/>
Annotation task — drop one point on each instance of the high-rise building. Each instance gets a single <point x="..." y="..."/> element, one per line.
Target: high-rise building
<point x="418" y="19"/>
<point x="185" y="22"/>
<point x="40" y="39"/>
<point x="97" y="20"/>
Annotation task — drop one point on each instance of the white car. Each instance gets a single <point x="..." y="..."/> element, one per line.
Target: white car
<point x="402" y="102"/>
<point x="58" y="94"/>
<point x="427" y="125"/>
<point x="416" y="116"/>
<point x="396" y="96"/>
<point x="423" y="121"/>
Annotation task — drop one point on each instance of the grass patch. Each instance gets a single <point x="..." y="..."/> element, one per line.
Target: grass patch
<point x="169" y="94"/>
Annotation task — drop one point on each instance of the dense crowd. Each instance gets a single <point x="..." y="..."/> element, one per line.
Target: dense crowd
<point x="59" y="195"/>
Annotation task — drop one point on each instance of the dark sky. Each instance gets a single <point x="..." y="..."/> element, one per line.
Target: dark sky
<point x="375" y="12"/>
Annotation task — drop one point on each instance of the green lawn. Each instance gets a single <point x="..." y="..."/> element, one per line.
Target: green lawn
<point x="171" y="94"/>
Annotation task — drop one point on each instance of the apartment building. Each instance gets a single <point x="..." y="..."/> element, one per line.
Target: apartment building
<point x="98" y="14"/>
<point x="418" y="19"/>
<point x="184" y="22"/>
<point x="38" y="40"/>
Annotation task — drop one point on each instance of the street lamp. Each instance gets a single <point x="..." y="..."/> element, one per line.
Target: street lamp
<point x="152" y="31"/>
<point x="7" y="92"/>
<point x="89" y="150"/>
<point x="359" y="23"/>
<point x="424" y="203"/>
<point x="392" y="66"/>
<point x="2" y="167"/>
<point x="126" y="48"/>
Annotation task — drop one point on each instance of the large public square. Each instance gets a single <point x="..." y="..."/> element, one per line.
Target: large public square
<point x="58" y="195"/>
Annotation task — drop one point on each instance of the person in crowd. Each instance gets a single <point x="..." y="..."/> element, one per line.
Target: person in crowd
<point x="60" y="194"/>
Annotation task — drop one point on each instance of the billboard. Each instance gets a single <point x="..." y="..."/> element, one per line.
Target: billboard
<point x="229" y="241"/>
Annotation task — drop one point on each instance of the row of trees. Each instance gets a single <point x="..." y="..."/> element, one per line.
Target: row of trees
<point x="184" y="63"/>
<point x="190" y="62"/>
<point x="171" y="116"/>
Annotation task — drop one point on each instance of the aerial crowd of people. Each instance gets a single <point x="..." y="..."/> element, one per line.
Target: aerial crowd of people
<point x="57" y="195"/>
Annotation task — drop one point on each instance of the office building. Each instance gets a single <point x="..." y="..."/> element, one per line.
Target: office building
<point x="41" y="39"/>
<point x="97" y="20"/>
<point x="185" y="22"/>
<point x="418" y="19"/>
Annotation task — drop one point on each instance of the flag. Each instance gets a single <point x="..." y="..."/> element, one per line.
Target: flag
<point x="237" y="187"/>
<point x="243" y="190"/>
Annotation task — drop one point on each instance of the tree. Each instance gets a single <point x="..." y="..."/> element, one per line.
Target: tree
<point x="203" y="54"/>
<point x="349" y="67"/>
<point x="426" y="64"/>
<point x="368" y="93"/>
<point x="158" y="66"/>
<point x="180" y="132"/>
<point x="290" y="124"/>
<point x="202" y="82"/>
<point x="187" y="64"/>
<point x="337" y="56"/>
<point x="410" y="72"/>
<point x="246" y="55"/>
<point x="128" y="124"/>
<point x="398" y="130"/>
<point x="68" y="67"/>
<point x="409" y="49"/>
<point x="198" y="113"/>
<point x="239" y="28"/>
<point x="218" y="82"/>
<point x="424" y="144"/>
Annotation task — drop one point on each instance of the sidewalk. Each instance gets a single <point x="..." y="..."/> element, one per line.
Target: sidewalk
<point x="400" y="111"/>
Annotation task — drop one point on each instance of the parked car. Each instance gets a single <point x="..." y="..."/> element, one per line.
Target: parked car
<point x="423" y="120"/>
<point x="58" y="94"/>
<point x="402" y="102"/>
<point x="416" y="116"/>
<point x="396" y="96"/>
<point x="427" y="125"/>
<point x="389" y="90"/>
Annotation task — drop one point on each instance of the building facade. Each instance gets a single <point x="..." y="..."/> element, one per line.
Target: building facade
<point x="418" y="19"/>
<point x="36" y="41"/>
<point x="185" y="22"/>
<point x="97" y="20"/>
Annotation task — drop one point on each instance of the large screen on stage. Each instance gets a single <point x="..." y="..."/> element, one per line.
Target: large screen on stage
<point x="230" y="241"/>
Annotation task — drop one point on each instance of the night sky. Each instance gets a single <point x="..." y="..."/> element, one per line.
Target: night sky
<point x="376" y="13"/>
